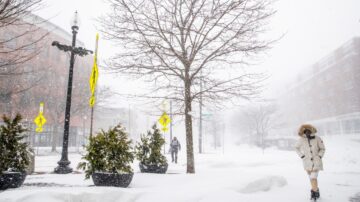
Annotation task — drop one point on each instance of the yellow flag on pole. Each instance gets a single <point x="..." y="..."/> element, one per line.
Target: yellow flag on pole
<point x="93" y="78"/>
<point x="92" y="101"/>
<point x="94" y="75"/>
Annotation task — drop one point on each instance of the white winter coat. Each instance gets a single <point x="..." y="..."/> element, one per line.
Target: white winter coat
<point x="311" y="151"/>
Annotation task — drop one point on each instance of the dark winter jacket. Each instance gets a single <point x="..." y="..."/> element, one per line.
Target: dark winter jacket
<point x="175" y="145"/>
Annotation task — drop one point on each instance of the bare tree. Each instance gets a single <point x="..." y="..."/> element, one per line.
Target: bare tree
<point x="177" y="43"/>
<point x="19" y="33"/>
<point x="260" y="119"/>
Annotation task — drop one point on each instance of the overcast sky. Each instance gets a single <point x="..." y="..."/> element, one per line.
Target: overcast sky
<point x="312" y="28"/>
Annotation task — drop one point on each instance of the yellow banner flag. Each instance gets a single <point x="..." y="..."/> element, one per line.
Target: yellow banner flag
<point x="92" y="101"/>
<point x="94" y="75"/>
<point x="93" y="78"/>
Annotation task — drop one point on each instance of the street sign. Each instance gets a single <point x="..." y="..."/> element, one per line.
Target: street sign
<point x="40" y="119"/>
<point x="164" y="120"/>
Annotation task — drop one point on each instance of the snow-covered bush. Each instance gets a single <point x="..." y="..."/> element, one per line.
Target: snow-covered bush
<point x="14" y="152"/>
<point x="148" y="150"/>
<point x="108" y="151"/>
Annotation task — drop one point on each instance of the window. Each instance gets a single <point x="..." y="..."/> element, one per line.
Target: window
<point x="45" y="53"/>
<point x="330" y="92"/>
<point x="316" y="68"/>
<point x="349" y="85"/>
<point x="56" y="56"/>
<point x="30" y="47"/>
<point x="357" y="125"/>
<point x="10" y="41"/>
<point x="331" y="60"/>
<point x="348" y="65"/>
<point x="328" y="77"/>
<point x="349" y="47"/>
<point x="29" y="68"/>
<point x="25" y="99"/>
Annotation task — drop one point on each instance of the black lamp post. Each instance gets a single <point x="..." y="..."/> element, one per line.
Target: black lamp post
<point x="63" y="167"/>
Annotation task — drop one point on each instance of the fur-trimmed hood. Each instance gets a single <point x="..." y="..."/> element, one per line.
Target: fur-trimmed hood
<point x="307" y="126"/>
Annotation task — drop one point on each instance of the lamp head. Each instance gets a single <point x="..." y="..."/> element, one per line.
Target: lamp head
<point x="75" y="21"/>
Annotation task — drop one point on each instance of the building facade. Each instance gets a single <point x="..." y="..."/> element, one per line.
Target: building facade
<point x="43" y="78"/>
<point x="327" y="94"/>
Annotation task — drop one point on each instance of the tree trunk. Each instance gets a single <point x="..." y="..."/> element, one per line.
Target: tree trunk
<point x="188" y="127"/>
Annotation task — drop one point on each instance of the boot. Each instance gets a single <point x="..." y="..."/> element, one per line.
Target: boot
<point x="317" y="194"/>
<point x="312" y="194"/>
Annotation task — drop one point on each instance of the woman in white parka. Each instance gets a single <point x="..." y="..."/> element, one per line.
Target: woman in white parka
<point x="311" y="149"/>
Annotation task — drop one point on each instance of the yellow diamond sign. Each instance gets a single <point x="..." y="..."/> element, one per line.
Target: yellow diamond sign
<point x="40" y="119"/>
<point x="164" y="120"/>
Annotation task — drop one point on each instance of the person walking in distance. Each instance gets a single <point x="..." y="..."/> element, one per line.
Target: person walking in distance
<point x="311" y="150"/>
<point x="174" y="149"/>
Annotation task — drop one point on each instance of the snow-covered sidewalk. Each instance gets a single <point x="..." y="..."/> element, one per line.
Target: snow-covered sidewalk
<point x="242" y="174"/>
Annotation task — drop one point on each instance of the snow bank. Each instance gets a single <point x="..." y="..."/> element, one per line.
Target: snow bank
<point x="93" y="194"/>
<point x="264" y="184"/>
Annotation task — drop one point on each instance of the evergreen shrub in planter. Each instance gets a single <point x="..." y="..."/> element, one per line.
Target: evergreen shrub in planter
<point x="109" y="155"/>
<point x="14" y="153"/>
<point x="148" y="152"/>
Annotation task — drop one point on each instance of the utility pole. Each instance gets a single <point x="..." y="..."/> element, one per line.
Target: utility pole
<point x="171" y="122"/>
<point x="129" y="120"/>
<point x="200" y="117"/>
<point x="91" y="122"/>
<point x="223" y="137"/>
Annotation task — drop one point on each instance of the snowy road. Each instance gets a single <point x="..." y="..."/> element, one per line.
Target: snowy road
<point x="243" y="174"/>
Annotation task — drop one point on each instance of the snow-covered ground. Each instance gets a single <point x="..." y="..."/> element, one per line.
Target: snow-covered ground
<point x="242" y="174"/>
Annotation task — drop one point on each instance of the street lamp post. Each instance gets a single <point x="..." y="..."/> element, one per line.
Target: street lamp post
<point x="63" y="164"/>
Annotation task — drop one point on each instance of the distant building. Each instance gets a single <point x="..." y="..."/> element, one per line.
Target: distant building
<point x="328" y="94"/>
<point x="46" y="75"/>
<point x="106" y="117"/>
<point x="109" y="117"/>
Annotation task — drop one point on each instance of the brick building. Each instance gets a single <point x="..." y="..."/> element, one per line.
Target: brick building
<point x="327" y="94"/>
<point x="44" y="79"/>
